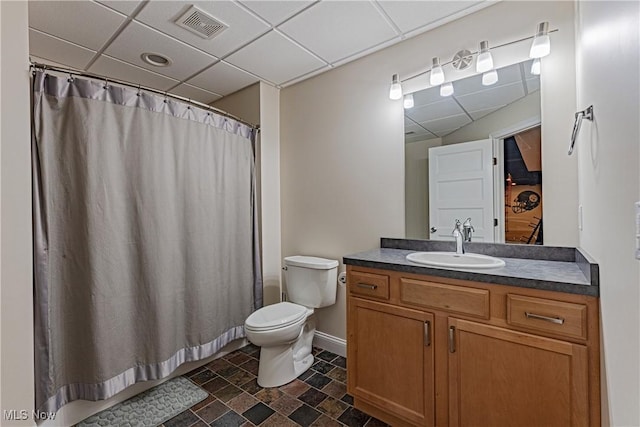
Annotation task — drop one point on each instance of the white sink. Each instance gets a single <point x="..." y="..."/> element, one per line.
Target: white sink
<point x="452" y="259"/>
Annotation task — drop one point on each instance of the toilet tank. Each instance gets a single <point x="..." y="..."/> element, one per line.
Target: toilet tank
<point x="311" y="281"/>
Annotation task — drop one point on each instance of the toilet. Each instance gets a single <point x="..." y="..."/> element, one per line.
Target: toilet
<point x="284" y="331"/>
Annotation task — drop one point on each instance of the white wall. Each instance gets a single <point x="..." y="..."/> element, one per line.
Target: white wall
<point x="342" y="150"/>
<point x="16" y="291"/>
<point x="609" y="175"/>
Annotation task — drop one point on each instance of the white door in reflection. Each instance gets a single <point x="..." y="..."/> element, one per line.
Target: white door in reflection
<point x="461" y="187"/>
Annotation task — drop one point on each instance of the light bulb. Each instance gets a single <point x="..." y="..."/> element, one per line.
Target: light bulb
<point x="535" y="67"/>
<point x="395" y="92"/>
<point x="408" y="101"/>
<point x="446" y="89"/>
<point x="436" y="76"/>
<point x="484" y="62"/>
<point x="489" y="78"/>
<point x="541" y="45"/>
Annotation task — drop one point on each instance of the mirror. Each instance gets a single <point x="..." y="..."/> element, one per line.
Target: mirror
<point x="507" y="113"/>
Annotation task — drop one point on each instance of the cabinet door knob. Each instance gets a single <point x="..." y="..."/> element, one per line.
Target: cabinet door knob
<point x="427" y="333"/>
<point x="452" y="339"/>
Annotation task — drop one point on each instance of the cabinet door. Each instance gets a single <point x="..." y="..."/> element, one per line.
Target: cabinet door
<point x="390" y="359"/>
<point x="499" y="377"/>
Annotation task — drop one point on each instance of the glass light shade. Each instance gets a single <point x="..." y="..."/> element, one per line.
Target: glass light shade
<point x="446" y="89"/>
<point x="395" y="91"/>
<point x="541" y="46"/>
<point x="484" y="61"/>
<point x="489" y="78"/>
<point x="535" y="67"/>
<point x="436" y="76"/>
<point x="408" y="101"/>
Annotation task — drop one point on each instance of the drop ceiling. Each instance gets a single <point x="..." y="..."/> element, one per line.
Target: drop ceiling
<point x="277" y="42"/>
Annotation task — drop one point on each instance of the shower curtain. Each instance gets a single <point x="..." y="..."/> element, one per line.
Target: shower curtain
<point x="145" y="236"/>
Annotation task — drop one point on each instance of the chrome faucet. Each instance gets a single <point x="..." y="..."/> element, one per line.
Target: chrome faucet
<point x="467" y="229"/>
<point x="458" y="234"/>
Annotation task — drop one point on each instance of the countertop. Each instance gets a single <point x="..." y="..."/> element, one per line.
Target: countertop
<point x="557" y="269"/>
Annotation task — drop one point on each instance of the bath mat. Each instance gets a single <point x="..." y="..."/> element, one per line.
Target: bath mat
<point x="152" y="407"/>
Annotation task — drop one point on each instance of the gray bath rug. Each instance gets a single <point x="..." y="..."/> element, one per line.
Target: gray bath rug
<point x="151" y="408"/>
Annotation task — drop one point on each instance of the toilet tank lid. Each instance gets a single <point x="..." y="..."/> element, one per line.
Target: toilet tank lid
<point x="310" y="262"/>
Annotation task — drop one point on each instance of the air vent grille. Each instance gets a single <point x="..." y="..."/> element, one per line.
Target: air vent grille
<point x="200" y="23"/>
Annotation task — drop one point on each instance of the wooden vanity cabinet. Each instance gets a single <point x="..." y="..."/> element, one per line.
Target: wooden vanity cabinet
<point x="429" y="351"/>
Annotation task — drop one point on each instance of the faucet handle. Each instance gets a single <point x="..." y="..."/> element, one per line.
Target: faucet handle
<point x="457" y="227"/>
<point x="467" y="224"/>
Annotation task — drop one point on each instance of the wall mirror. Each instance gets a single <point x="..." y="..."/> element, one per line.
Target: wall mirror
<point x="476" y="153"/>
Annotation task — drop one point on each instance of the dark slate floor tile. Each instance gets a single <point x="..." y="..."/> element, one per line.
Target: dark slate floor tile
<point x="340" y="361"/>
<point x="318" y="380"/>
<point x="374" y="422"/>
<point x="215" y="384"/>
<point x="258" y="413"/>
<point x="250" y="349"/>
<point x="312" y="397"/>
<point x="203" y="403"/>
<point x="322" y="367"/>
<point x="347" y="398"/>
<point x="306" y="374"/>
<point x="194" y="371"/>
<point x="327" y="356"/>
<point x="239" y="358"/>
<point x="230" y="419"/>
<point x="228" y="371"/>
<point x="212" y="411"/>
<point x="251" y="387"/>
<point x="203" y="376"/>
<point x="227" y="393"/>
<point x="338" y="374"/>
<point x="304" y="415"/>
<point x="184" y="419"/>
<point x="354" y="418"/>
<point x="251" y="366"/>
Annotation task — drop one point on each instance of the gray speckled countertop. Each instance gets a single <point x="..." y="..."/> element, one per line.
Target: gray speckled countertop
<point x="568" y="274"/>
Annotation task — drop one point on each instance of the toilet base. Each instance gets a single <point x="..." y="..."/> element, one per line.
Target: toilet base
<point x="282" y="364"/>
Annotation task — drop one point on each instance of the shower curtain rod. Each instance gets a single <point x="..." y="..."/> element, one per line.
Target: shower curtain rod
<point x="71" y="71"/>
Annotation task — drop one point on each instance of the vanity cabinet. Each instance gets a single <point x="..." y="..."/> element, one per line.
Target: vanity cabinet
<point x="425" y="350"/>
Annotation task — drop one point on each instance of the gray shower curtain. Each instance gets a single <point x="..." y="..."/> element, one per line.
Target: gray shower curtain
<point x="145" y="237"/>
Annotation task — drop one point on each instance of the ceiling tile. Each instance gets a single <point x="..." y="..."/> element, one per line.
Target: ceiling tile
<point x="447" y="123"/>
<point x="137" y="39"/>
<point x="533" y="85"/>
<point x="111" y="67"/>
<point x="195" y="93"/>
<point x="446" y="132"/>
<point x="242" y="26"/>
<point x="416" y="138"/>
<point x="276" y="11"/>
<point x="472" y="84"/>
<point x="84" y="23"/>
<point x="427" y="96"/>
<point x="493" y="97"/>
<point x="475" y="115"/>
<point x="444" y="108"/>
<point x="336" y="34"/>
<point x="409" y="15"/>
<point x="54" y="49"/>
<point x="223" y="78"/>
<point x="274" y="58"/>
<point x="124" y="6"/>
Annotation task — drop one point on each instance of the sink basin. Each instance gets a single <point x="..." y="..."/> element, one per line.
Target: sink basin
<point x="452" y="259"/>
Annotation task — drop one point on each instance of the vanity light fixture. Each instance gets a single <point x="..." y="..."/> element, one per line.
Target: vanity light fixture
<point x="535" y="67"/>
<point x="484" y="61"/>
<point x="408" y="101"/>
<point x="446" y="89"/>
<point x="489" y="78"/>
<point x="437" y="75"/>
<point x="395" y="92"/>
<point x="541" y="45"/>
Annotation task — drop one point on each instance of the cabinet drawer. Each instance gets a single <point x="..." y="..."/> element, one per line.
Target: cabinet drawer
<point x="369" y="284"/>
<point x="562" y="318"/>
<point x="458" y="299"/>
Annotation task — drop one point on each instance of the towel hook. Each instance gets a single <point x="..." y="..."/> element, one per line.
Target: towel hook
<point x="584" y="114"/>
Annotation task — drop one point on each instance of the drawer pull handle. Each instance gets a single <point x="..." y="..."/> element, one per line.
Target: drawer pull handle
<point x="427" y="333"/>
<point x="557" y="320"/>
<point x="367" y="286"/>
<point x="452" y="339"/>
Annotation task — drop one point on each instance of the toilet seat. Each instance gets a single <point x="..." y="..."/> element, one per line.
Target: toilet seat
<point x="276" y="316"/>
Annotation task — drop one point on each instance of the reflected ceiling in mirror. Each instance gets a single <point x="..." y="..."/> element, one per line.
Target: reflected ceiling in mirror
<point x="434" y="116"/>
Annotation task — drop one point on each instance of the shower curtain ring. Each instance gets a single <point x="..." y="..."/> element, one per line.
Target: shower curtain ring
<point x="106" y="83"/>
<point x="70" y="79"/>
<point x="139" y="90"/>
<point x="165" y="97"/>
<point x="189" y="105"/>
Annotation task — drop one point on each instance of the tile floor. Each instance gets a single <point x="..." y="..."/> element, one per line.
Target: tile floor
<point x="318" y="397"/>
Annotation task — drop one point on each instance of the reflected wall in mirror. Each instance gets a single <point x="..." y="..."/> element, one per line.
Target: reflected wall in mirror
<point x="464" y="133"/>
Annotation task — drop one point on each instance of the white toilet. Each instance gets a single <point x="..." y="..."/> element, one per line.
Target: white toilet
<point x="284" y="331"/>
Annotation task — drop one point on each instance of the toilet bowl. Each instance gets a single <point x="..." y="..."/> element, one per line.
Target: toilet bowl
<point x="284" y="331"/>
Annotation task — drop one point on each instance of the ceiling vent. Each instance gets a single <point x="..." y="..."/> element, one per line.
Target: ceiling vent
<point x="200" y="23"/>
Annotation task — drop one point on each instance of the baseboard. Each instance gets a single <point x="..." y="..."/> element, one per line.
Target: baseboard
<point x="329" y="342"/>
